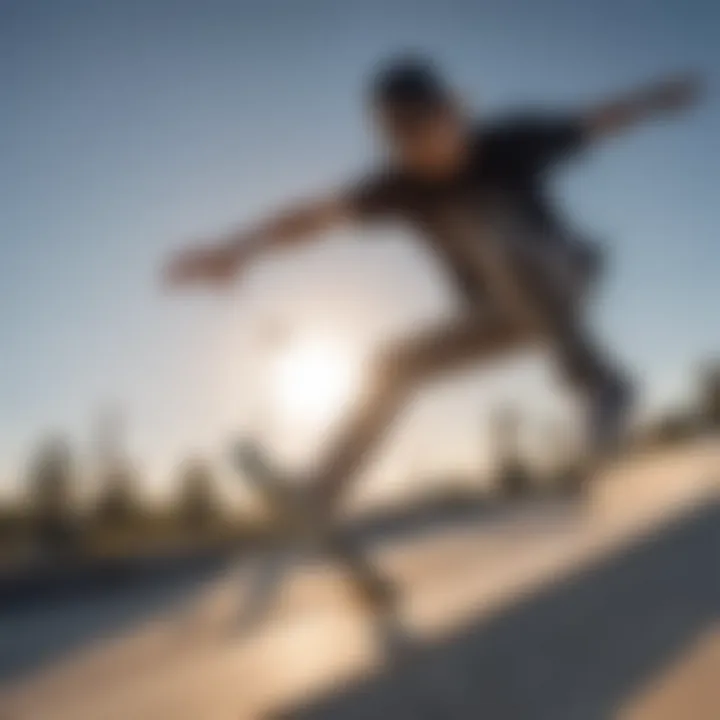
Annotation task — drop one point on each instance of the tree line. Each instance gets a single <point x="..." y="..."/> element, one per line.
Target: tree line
<point x="50" y="515"/>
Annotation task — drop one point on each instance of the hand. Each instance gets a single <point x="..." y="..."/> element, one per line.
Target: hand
<point x="677" y="93"/>
<point x="214" y="265"/>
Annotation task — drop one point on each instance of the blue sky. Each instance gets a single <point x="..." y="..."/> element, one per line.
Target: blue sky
<point x="130" y="127"/>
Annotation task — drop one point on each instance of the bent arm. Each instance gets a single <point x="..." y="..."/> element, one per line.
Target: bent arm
<point x="297" y="225"/>
<point x="644" y="104"/>
<point x="223" y="259"/>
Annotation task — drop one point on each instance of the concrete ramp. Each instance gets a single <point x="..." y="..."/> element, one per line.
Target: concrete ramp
<point x="578" y="650"/>
<point x="606" y="610"/>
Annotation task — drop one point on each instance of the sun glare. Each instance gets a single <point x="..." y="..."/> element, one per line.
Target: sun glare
<point x="314" y="378"/>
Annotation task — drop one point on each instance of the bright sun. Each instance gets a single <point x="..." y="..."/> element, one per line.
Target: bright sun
<point x="313" y="379"/>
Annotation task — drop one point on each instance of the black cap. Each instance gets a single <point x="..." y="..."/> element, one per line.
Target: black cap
<point x="411" y="83"/>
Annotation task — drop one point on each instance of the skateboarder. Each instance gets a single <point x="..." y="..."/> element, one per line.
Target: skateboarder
<point x="473" y="191"/>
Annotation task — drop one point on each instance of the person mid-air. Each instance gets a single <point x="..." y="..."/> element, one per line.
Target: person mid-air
<point x="474" y="193"/>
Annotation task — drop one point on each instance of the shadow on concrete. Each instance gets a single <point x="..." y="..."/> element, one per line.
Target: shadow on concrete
<point x="46" y="614"/>
<point x="50" y="611"/>
<point x="574" y="651"/>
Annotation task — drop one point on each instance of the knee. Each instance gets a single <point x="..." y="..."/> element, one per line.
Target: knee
<point x="394" y="370"/>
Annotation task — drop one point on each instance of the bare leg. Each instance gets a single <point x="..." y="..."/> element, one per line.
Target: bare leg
<point x="398" y="373"/>
<point x="539" y="305"/>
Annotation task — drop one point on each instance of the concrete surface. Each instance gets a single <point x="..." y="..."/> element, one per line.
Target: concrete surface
<point x="596" y="612"/>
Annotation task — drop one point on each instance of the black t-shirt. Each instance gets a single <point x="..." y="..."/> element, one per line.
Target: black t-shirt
<point x="502" y="178"/>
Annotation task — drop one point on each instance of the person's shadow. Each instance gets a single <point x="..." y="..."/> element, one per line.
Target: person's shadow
<point x="48" y="614"/>
<point x="576" y="650"/>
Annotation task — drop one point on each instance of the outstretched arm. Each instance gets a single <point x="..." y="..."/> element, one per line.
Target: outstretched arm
<point x="647" y="103"/>
<point x="222" y="260"/>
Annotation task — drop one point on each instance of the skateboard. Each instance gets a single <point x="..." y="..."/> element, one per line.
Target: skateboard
<point x="300" y="528"/>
